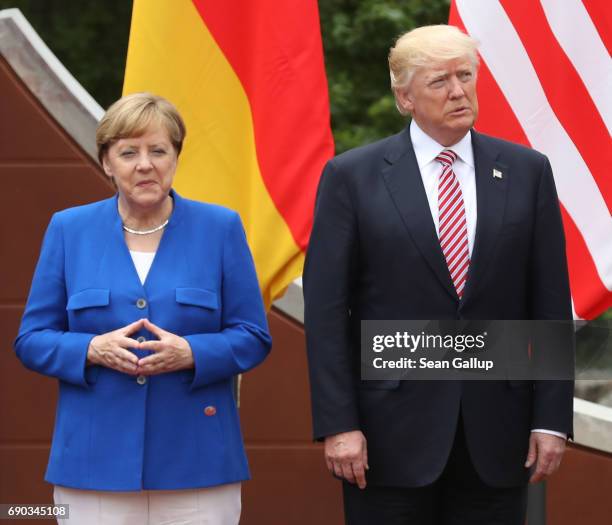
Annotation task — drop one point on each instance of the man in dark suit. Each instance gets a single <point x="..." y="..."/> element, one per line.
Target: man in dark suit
<point x="436" y="222"/>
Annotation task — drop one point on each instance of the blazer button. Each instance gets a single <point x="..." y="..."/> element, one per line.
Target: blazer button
<point x="141" y="339"/>
<point x="210" y="410"/>
<point x="141" y="380"/>
<point x="141" y="303"/>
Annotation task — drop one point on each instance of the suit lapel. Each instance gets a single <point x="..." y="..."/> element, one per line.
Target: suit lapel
<point x="118" y="251"/>
<point x="490" y="202"/>
<point x="170" y="246"/>
<point x="117" y="260"/>
<point x="405" y="185"/>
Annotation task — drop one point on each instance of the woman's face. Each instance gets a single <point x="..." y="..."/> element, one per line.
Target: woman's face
<point x="143" y="167"/>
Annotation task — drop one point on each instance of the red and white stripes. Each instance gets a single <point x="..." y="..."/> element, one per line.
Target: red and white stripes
<point x="545" y="81"/>
<point x="452" y="226"/>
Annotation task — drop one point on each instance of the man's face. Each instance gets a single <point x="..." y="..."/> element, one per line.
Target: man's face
<point x="442" y="99"/>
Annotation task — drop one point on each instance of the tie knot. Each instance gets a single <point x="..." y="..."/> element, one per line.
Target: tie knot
<point x="447" y="157"/>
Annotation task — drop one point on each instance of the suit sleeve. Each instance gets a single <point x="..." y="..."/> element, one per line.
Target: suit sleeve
<point x="551" y="300"/>
<point x="328" y="281"/>
<point x="243" y="341"/>
<point x="44" y="343"/>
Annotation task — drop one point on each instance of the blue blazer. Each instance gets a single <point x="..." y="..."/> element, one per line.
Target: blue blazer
<point x="175" y="430"/>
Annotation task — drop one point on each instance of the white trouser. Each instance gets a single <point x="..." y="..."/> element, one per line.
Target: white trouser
<point x="210" y="506"/>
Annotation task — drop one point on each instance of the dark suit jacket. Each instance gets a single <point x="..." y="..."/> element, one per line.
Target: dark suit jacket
<point x="374" y="254"/>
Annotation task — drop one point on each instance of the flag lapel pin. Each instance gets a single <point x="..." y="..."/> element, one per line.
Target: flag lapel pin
<point x="497" y="174"/>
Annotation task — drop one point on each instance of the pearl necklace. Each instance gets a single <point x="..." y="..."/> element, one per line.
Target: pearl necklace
<point x="146" y="232"/>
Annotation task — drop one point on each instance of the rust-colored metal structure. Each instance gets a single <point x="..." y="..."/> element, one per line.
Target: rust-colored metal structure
<point x="44" y="169"/>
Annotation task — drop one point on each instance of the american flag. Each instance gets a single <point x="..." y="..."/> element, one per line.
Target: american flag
<point x="545" y="81"/>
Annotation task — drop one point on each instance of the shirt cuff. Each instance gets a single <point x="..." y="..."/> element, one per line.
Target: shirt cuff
<point x="551" y="432"/>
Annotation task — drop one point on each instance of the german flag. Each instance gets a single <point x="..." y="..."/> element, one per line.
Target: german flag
<point x="248" y="78"/>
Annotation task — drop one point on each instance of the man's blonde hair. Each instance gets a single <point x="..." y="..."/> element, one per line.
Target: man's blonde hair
<point x="426" y="45"/>
<point x="132" y="115"/>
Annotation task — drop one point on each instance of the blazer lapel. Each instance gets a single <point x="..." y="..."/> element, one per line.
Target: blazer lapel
<point x="117" y="255"/>
<point x="403" y="180"/>
<point x="166" y="259"/>
<point x="491" y="191"/>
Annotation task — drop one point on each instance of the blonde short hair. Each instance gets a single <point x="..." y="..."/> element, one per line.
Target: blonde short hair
<point x="426" y="45"/>
<point x="132" y="115"/>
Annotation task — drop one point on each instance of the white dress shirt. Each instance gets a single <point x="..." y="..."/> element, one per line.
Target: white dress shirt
<point x="426" y="150"/>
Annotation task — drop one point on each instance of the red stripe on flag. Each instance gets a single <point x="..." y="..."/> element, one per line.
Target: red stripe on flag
<point x="495" y="115"/>
<point x="275" y="50"/>
<point x="565" y="91"/>
<point x="601" y="16"/>
<point x="588" y="292"/>
<point x="496" y="118"/>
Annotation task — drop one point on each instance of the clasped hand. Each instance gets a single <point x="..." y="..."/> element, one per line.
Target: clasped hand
<point x="170" y="352"/>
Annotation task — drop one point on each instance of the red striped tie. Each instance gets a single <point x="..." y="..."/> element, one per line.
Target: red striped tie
<point x="453" y="226"/>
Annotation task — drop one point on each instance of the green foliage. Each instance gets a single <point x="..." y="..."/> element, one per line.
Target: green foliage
<point x="89" y="37"/>
<point x="357" y="35"/>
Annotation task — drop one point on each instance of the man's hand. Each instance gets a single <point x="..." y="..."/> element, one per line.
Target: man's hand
<point x="545" y="451"/>
<point x="346" y="456"/>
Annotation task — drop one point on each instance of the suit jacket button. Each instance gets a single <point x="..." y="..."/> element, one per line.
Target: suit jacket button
<point x="141" y="303"/>
<point x="141" y="339"/>
<point x="210" y="410"/>
<point x="141" y="380"/>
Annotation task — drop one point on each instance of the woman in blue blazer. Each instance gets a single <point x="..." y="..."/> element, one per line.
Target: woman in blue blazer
<point x="145" y="306"/>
